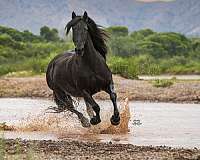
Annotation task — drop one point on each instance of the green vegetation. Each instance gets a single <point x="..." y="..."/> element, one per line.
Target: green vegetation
<point x="151" y="53"/>
<point x="130" y="54"/>
<point x="163" y="83"/>
<point x="49" y="34"/>
<point x="28" y="54"/>
<point x="116" y="31"/>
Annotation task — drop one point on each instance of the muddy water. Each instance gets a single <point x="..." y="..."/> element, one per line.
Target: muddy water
<point x="154" y="124"/>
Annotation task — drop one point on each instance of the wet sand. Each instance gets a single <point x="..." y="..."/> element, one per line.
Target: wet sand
<point x="181" y="91"/>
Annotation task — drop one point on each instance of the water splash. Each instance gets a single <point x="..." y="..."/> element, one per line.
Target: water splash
<point x="50" y="122"/>
<point x="65" y="125"/>
<point x="106" y="128"/>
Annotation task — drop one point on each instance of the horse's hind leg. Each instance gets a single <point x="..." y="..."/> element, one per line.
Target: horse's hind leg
<point x="66" y="100"/>
<point x="61" y="107"/>
<point x="88" y="98"/>
<point x="115" y="119"/>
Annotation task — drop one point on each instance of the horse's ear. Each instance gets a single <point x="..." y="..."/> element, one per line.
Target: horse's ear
<point x="73" y="15"/>
<point x="85" y="16"/>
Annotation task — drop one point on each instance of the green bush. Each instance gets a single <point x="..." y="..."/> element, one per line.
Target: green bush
<point x="6" y="40"/>
<point x="146" y="64"/>
<point x="122" y="66"/>
<point x="133" y="66"/>
<point x="16" y="35"/>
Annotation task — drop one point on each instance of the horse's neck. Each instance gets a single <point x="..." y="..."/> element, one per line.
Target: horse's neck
<point x="91" y="55"/>
<point x="95" y="61"/>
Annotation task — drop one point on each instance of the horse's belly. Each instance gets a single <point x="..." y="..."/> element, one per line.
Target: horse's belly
<point x="92" y="84"/>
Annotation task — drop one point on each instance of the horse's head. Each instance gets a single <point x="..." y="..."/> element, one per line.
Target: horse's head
<point x="79" y="31"/>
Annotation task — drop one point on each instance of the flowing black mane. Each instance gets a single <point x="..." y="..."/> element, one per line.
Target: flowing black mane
<point x="97" y="33"/>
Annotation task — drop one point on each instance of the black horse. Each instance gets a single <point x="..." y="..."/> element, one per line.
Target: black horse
<point x="84" y="72"/>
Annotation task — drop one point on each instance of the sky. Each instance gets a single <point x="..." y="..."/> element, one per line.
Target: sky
<point x="154" y="0"/>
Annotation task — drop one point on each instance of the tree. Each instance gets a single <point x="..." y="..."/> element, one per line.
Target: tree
<point x="173" y="43"/>
<point x="152" y="48"/>
<point x="117" y="31"/>
<point x="30" y="37"/>
<point x="123" y="46"/>
<point x="141" y="34"/>
<point x="49" y="34"/>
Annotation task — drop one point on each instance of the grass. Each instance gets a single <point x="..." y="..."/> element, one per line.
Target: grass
<point x="162" y="83"/>
<point x="22" y="74"/>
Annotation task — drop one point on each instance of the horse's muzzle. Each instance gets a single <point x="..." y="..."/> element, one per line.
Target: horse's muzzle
<point x="79" y="51"/>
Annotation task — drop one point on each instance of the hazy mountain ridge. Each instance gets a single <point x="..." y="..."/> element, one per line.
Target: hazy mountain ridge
<point x="179" y="16"/>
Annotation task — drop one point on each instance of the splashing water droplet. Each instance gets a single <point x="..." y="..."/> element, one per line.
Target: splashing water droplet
<point x="66" y="125"/>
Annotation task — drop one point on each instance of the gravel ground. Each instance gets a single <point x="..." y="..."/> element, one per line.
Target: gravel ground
<point x="55" y="150"/>
<point x="180" y="91"/>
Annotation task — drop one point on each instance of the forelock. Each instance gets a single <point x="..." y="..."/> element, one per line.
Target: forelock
<point x="72" y="23"/>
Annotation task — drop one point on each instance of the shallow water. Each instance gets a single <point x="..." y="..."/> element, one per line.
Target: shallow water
<point x="170" y="124"/>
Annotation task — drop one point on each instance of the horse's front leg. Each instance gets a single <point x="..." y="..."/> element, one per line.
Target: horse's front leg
<point x="89" y="109"/>
<point x="88" y="99"/>
<point x="115" y="119"/>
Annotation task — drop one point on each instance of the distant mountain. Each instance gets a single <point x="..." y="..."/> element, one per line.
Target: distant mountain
<point x="178" y="16"/>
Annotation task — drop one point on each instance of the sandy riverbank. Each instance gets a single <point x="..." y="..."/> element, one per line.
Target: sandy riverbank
<point x="180" y="91"/>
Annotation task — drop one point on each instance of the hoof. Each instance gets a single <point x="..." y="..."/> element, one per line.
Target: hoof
<point x="115" y="120"/>
<point x="85" y="122"/>
<point x="95" y="120"/>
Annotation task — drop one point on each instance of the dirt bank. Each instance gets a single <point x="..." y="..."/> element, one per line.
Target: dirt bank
<point x="180" y="91"/>
<point x="84" y="150"/>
